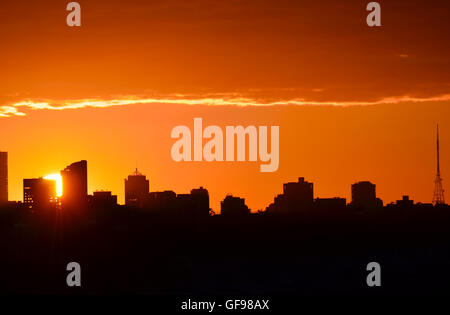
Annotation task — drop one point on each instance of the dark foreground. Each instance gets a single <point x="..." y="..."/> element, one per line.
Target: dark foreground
<point x="259" y="255"/>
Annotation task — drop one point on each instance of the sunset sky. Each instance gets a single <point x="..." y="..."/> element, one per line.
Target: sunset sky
<point x="352" y="102"/>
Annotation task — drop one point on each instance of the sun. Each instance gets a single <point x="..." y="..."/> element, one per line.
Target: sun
<point x="58" y="179"/>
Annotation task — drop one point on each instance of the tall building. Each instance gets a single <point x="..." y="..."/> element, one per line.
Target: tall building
<point x="193" y="205"/>
<point x="160" y="201"/>
<point x="3" y="177"/>
<point x="102" y="199"/>
<point x="39" y="192"/>
<point x="364" y="195"/>
<point x="363" y="192"/>
<point x="233" y="206"/>
<point x="74" y="181"/>
<point x="299" y="193"/>
<point x="297" y="197"/>
<point x="137" y="188"/>
<point x="200" y="197"/>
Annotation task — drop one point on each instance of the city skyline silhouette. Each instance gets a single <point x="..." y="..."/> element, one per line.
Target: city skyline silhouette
<point x="137" y="187"/>
<point x="69" y="191"/>
<point x="138" y="190"/>
<point x="174" y="244"/>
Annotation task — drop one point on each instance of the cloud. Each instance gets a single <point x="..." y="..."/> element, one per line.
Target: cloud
<point x="18" y="108"/>
<point x="7" y="111"/>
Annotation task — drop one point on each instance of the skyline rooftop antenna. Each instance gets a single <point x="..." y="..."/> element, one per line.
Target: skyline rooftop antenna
<point x="438" y="196"/>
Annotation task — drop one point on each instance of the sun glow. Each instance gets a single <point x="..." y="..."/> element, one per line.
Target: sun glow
<point x="58" y="179"/>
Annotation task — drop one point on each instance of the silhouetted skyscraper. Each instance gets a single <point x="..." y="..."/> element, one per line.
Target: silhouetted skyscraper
<point x="200" y="197"/>
<point x="301" y="192"/>
<point x="193" y="205"/>
<point x="233" y="206"/>
<point x="3" y="177"/>
<point x="364" y="195"/>
<point x="137" y="188"/>
<point x="296" y="197"/>
<point x="160" y="201"/>
<point x="363" y="191"/>
<point x="75" y="191"/>
<point x="39" y="192"/>
<point x="102" y="199"/>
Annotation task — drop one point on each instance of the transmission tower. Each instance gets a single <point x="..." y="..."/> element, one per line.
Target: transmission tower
<point x="438" y="196"/>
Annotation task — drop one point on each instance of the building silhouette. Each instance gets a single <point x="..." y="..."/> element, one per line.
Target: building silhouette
<point x="364" y="195"/>
<point x="301" y="192"/>
<point x="296" y="197"/>
<point x="193" y="205"/>
<point x="233" y="206"/>
<point x="405" y="202"/>
<point x="102" y="199"/>
<point x="3" y="177"/>
<point x="160" y="201"/>
<point x="184" y="205"/>
<point x="137" y="188"/>
<point x="39" y="192"/>
<point x="74" y="181"/>
<point x="200" y="198"/>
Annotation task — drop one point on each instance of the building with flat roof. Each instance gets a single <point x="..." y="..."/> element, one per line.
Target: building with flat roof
<point x="297" y="197"/>
<point x="102" y="199"/>
<point x="39" y="192"/>
<point x="74" y="181"/>
<point x="233" y="206"/>
<point x="364" y="195"/>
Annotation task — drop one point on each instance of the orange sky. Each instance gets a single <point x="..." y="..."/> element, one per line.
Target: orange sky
<point x="224" y="57"/>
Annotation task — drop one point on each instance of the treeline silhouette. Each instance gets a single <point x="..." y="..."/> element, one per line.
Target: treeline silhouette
<point x="168" y="243"/>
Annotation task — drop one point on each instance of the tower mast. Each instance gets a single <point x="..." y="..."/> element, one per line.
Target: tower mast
<point x="437" y="155"/>
<point x="438" y="196"/>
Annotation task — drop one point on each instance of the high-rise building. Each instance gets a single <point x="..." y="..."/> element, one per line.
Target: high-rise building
<point x="193" y="205"/>
<point x="297" y="197"/>
<point x="3" y="177"/>
<point x="364" y="195"/>
<point x="200" y="198"/>
<point x="74" y="181"/>
<point x="300" y="192"/>
<point x="160" y="201"/>
<point x="102" y="199"/>
<point x="233" y="206"/>
<point x="363" y="192"/>
<point x="39" y="192"/>
<point x="137" y="189"/>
